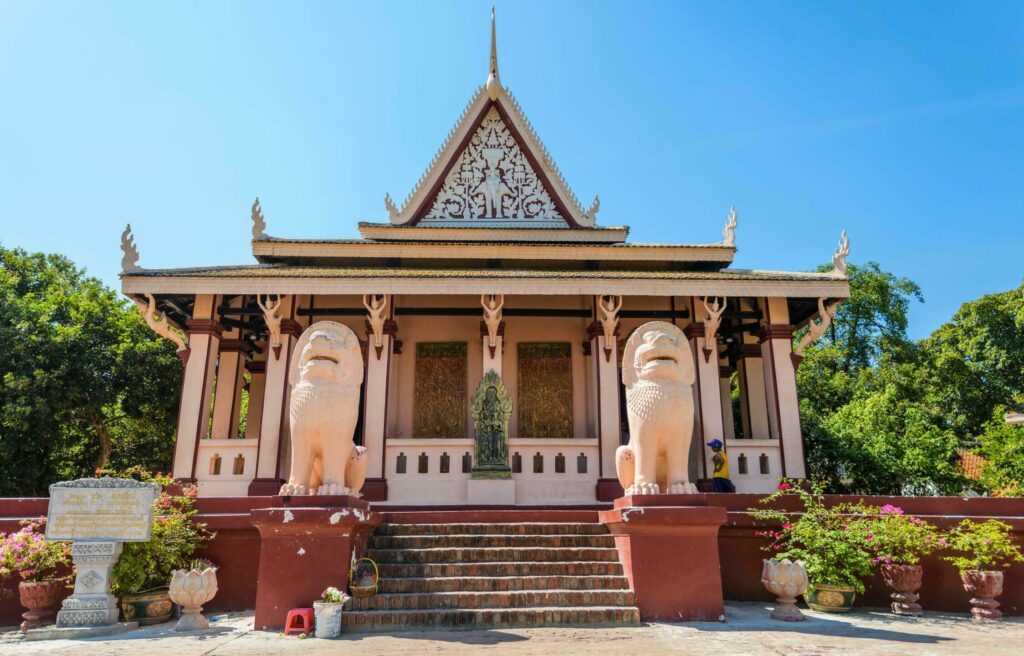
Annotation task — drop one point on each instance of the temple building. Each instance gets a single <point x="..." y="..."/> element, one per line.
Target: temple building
<point x="490" y="263"/>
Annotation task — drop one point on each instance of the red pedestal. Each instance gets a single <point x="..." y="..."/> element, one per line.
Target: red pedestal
<point x="306" y="544"/>
<point x="608" y="489"/>
<point x="264" y="487"/>
<point x="668" y="545"/>
<point x="375" y="489"/>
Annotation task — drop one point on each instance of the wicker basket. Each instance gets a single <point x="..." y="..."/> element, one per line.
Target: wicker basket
<point x="357" y="590"/>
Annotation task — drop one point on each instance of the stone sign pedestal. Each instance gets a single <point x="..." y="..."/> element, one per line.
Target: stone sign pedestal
<point x="668" y="545"/>
<point x="91" y="604"/>
<point x="306" y="545"/>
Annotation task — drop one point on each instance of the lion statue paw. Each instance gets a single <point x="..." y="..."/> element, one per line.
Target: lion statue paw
<point x="682" y="488"/>
<point x="642" y="488"/>
<point x="293" y="490"/>
<point x="335" y="489"/>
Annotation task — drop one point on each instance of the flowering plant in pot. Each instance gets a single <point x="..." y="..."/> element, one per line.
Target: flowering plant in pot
<point x="897" y="541"/>
<point x="328" y="612"/>
<point x="831" y="543"/>
<point x="142" y="574"/>
<point x="43" y="567"/>
<point x="980" y="551"/>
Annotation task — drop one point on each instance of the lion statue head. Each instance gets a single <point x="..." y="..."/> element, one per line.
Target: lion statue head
<point x="329" y="353"/>
<point x="657" y="351"/>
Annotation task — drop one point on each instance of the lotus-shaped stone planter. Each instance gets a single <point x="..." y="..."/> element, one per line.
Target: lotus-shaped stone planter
<point x="192" y="589"/>
<point x="787" y="580"/>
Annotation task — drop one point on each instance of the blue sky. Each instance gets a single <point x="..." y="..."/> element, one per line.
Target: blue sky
<point x="902" y="122"/>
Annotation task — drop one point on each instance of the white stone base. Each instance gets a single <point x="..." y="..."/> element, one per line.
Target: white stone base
<point x="69" y="633"/>
<point x="489" y="492"/>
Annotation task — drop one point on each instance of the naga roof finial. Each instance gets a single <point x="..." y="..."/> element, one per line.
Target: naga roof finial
<point x="493" y="83"/>
<point x="129" y="252"/>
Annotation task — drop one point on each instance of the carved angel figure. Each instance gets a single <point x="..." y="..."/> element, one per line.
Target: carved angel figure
<point x="272" y="317"/>
<point x="815" y="329"/>
<point x="492" y="304"/>
<point x="375" y="305"/>
<point x="608" y="307"/>
<point x="159" y="324"/>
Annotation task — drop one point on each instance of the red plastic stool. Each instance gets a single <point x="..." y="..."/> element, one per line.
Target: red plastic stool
<point x="300" y="620"/>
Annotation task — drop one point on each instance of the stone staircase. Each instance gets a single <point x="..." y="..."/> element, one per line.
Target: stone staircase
<point x="491" y="575"/>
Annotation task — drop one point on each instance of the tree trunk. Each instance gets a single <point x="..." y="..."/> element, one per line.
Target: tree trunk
<point x="105" y="447"/>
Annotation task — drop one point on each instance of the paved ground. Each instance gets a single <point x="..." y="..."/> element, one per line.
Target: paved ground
<point x="747" y="630"/>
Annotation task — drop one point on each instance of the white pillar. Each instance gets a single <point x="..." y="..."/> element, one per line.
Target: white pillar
<point x="275" y="399"/>
<point x="780" y="378"/>
<point x="606" y="371"/>
<point x="709" y="389"/>
<point x="725" y="385"/>
<point x="257" y="388"/>
<point x="753" y="399"/>
<point x="196" y="387"/>
<point x="492" y="356"/>
<point x="375" y="397"/>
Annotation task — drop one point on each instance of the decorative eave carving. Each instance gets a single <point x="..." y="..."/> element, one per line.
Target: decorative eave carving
<point x="129" y="252"/>
<point x="259" y="225"/>
<point x="608" y="308"/>
<point x="711" y="323"/>
<point x="376" y="315"/>
<point x="492" y="304"/>
<point x="815" y="329"/>
<point x="839" y="257"/>
<point x="729" y="231"/>
<point x="272" y="317"/>
<point x="161" y="326"/>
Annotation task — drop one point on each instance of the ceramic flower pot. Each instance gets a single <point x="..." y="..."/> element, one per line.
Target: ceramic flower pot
<point x="148" y="607"/>
<point x="786" y="580"/>
<point x="905" y="580"/>
<point x="984" y="587"/>
<point x="830" y="598"/>
<point x="191" y="589"/>
<point x="328" y="619"/>
<point x="40" y="598"/>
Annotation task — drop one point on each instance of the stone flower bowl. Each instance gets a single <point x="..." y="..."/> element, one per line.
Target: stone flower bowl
<point x="191" y="589"/>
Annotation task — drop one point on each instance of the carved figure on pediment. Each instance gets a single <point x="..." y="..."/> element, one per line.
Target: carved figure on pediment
<point x="325" y="375"/>
<point x="658" y="372"/>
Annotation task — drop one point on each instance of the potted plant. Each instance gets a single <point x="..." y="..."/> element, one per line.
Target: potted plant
<point x="328" y="612"/>
<point x="897" y="541"/>
<point x="141" y="577"/>
<point x="191" y="589"/>
<point x="829" y="541"/>
<point x="43" y="567"/>
<point x="981" y="550"/>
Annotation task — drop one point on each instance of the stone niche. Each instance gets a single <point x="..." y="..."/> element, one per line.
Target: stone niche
<point x="491" y="477"/>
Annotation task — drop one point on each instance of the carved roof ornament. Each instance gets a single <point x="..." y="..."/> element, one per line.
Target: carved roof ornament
<point x="608" y="308"/>
<point x="815" y="329"/>
<point x="392" y="209"/>
<point x="161" y="326"/>
<point x="129" y="253"/>
<point x="492" y="304"/>
<point x="376" y="307"/>
<point x="729" y="231"/>
<point x="595" y="207"/>
<point x="272" y="317"/>
<point x="493" y="84"/>
<point x="259" y="225"/>
<point x="839" y="258"/>
<point x="714" y="310"/>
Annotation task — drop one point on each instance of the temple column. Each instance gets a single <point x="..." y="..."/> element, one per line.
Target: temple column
<point x="753" y="400"/>
<point x="780" y="377"/>
<point x="605" y="358"/>
<point x="275" y="396"/>
<point x="196" y="386"/>
<point x="228" y="386"/>
<point x="375" y="405"/>
<point x="707" y="385"/>
<point x="257" y="387"/>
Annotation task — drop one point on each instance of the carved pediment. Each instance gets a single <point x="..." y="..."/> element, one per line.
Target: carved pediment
<point x="493" y="179"/>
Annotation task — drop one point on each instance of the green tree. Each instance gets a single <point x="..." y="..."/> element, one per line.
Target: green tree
<point x="1002" y="446"/>
<point x="83" y="381"/>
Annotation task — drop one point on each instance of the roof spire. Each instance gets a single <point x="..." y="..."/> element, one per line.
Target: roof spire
<point x="493" y="84"/>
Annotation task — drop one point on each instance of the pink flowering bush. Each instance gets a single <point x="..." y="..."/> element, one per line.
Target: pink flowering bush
<point x="980" y="546"/>
<point x="896" y="538"/>
<point x="29" y="556"/>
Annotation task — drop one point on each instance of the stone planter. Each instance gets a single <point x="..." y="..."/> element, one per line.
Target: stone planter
<point x="786" y="580"/>
<point x="830" y="598"/>
<point x="985" y="587"/>
<point x="328" y="619"/>
<point x="191" y="589"/>
<point x="905" y="580"/>
<point x="148" y="607"/>
<point x="40" y="598"/>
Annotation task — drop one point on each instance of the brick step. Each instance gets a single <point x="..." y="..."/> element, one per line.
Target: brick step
<point x="481" y="541"/>
<point x="492" y="600"/>
<point x="410" y="620"/>
<point x="492" y="529"/>
<point x="500" y="583"/>
<point x="491" y="554"/>
<point x="434" y="570"/>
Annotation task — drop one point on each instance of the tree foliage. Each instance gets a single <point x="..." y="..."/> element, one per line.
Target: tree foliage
<point x="84" y="383"/>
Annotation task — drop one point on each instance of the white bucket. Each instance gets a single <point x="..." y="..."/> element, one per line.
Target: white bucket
<point x="328" y="619"/>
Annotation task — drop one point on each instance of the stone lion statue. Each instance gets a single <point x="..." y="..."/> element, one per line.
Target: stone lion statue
<point x="657" y="370"/>
<point x="325" y="374"/>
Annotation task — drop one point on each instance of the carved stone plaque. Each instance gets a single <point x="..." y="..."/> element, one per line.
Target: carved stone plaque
<point x="101" y="509"/>
<point x="545" y="390"/>
<point x="439" y="404"/>
<point x="492" y="408"/>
